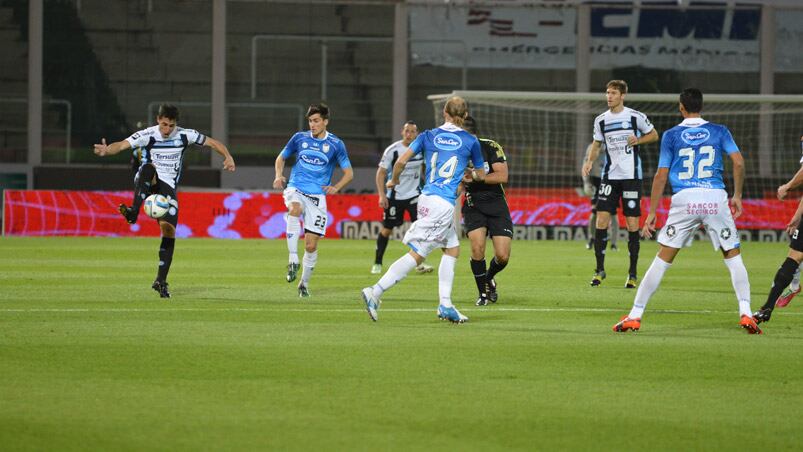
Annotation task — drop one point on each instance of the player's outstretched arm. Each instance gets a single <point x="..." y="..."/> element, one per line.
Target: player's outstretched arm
<point x="738" y="183"/>
<point x="220" y="148"/>
<point x="103" y="149"/>
<point x="279" y="181"/>
<point x="348" y="175"/>
<point x="658" y="185"/>
<point x="592" y="152"/>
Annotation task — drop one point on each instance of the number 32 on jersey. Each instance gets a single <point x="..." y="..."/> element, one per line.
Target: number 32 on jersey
<point x="708" y="153"/>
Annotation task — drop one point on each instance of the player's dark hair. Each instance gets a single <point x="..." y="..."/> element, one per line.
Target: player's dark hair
<point x="168" y="111"/>
<point x="410" y="123"/>
<point x="692" y="100"/>
<point x="470" y="125"/>
<point x="321" y="109"/>
<point x="619" y="85"/>
<point x="457" y="109"/>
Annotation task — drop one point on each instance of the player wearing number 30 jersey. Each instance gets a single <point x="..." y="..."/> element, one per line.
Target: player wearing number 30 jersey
<point x="691" y="159"/>
<point x="447" y="151"/>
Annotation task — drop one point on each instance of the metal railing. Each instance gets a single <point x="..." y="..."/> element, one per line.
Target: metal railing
<point x="325" y="40"/>
<point x="298" y="108"/>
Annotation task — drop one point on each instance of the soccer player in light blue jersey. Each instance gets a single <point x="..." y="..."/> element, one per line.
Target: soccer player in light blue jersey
<point x="447" y="151"/>
<point x="317" y="152"/>
<point x="692" y="160"/>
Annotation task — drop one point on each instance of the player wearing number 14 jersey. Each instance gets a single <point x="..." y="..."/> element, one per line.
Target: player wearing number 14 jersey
<point x="447" y="151"/>
<point x="691" y="159"/>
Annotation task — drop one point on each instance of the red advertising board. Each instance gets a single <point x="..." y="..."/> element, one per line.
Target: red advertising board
<point x="235" y="215"/>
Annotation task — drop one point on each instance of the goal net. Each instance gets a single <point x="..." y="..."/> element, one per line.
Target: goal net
<point x="545" y="136"/>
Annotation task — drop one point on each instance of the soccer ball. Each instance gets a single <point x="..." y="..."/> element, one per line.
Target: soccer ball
<point x="156" y="206"/>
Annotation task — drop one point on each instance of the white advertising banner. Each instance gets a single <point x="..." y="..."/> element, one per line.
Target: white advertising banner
<point x="710" y="40"/>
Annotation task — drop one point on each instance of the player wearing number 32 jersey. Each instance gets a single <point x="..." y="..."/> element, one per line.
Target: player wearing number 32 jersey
<point x="691" y="159"/>
<point x="447" y="151"/>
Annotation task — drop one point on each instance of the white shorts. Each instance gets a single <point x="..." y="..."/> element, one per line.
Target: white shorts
<point x="313" y="209"/>
<point x="434" y="228"/>
<point x="695" y="206"/>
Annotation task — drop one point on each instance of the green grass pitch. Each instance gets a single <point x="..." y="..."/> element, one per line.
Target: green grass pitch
<point x="92" y="359"/>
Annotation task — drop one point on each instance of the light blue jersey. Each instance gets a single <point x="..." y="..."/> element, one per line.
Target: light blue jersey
<point x="315" y="161"/>
<point x="693" y="152"/>
<point x="447" y="151"/>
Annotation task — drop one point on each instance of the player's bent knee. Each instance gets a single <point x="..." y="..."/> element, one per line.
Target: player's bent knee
<point x="795" y="255"/>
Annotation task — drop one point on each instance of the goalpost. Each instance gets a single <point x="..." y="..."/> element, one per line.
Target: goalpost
<point x="545" y="136"/>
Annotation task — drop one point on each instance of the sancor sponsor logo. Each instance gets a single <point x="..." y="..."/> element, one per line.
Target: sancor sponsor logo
<point x="312" y="160"/>
<point x="448" y="142"/>
<point x="695" y="136"/>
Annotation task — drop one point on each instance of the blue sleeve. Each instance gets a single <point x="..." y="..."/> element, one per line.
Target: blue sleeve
<point x="476" y="155"/>
<point x="290" y="148"/>
<point x="665" y="159"/>
<point x="343" y="157"/>
<point x="417" y="146"/>
<point x="727" y="141"/>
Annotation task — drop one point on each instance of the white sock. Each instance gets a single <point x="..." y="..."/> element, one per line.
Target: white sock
<point x="795" y="284"/>
<point x="396" y="272"/>
<point x="293" y="232"/>
<point x="741" y="284"/>
<point x="652" y="279"/>
<point x="309" y="265"/>
<point x="445" y="279"/>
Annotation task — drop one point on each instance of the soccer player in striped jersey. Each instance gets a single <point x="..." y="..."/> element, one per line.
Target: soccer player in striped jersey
<point x="316" y="151"/>
<point x="692" y="155"/>
<point x="622" y="131"/>
<point x="401" y="198"/>
<point x="447" y="151"/>
<point x="161" y="153"/>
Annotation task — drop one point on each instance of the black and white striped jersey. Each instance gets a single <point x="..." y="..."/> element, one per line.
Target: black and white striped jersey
<point x="410" y="179"/>
<point x="166" y="154"/>
<point x="622" y="161"/>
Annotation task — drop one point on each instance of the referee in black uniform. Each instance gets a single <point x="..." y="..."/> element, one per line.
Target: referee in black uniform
<point x="485" y="213"/>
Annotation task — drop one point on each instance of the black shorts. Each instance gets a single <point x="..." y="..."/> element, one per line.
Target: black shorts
<point x="611" y="192"/>
<point x="494" y="217"/>
<point x="162" y="188"/>
<point x="797" y="240"/>
<point x="394" y="214"/>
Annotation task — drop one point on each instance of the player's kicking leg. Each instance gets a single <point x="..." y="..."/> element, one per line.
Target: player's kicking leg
<point x="395" y="274"/>
<point x="142" y="188"/>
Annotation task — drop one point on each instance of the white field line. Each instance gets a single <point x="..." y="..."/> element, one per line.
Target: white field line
<point x="338" y="310"/>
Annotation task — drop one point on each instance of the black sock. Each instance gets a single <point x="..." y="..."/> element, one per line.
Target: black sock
<point x="782" y="279"/>
<point x="165" y="257"/>
<point x="495" y="268"/>
<point x="600" y="243"/>
<point x="381" y="245"/>
<point x="633" y="246"/>
<point x="142" y="186"/>
<point x="480" y="274"/>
